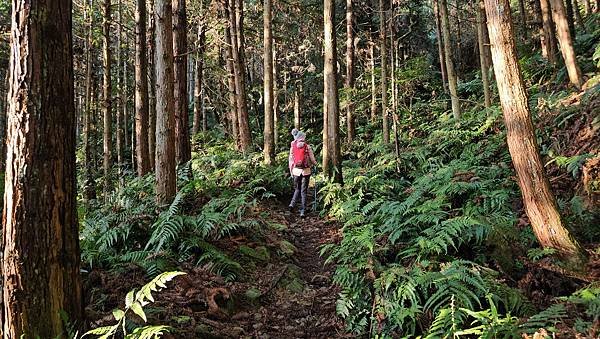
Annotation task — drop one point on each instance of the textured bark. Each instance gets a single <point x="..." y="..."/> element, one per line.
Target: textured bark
<point x="183" y="148"/>
<point x="349" y="84"/>
<point x="152" y="89"/>
<point x="275" y="99"/>
<point x="384" y="82"/>
<point x="165" y="118"/>
<point x="235" y="18"/>
<point x="483" y="41"/>
<point x="440" y="45"/>
<point x="373" y="85"/>
<point x="199" y="113"/>
<point x="89" y="191"/>
<point x="540" y="204"/>
<point x="141" y="90"/>
<point x="40" y="262"/>
<point x="332" y="159"/>
<point x="268" y="132"/>
<point x="566" y="42"/>
<point x="231" y="82"/>
<point x="107" y="104"/>
<point x="120" y="96"/>
<point x="547" y="37"/>
<point x="449" y="63"/>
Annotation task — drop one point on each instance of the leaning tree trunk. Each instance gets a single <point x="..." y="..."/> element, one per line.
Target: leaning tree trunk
<point x="269" y="135"/>
<point x="483" y="41"/>
<point x="141" y="90"/>
<point x="440" y="44"/>
<point x="107" y="89"/>
<point x="332" y="158"/>
<point x="165" y="118"/>
<point x="547" y="37"/>
<point x="40" y="262"/>
<point x="540" y="204"/>
<point x="183" y="148"/>
<point x="384" y="84"/>
<point x="566" y="42"/>
<point x="350" y="70"/>
<point x="449" y="63"/>
<point x="199" y="116"/>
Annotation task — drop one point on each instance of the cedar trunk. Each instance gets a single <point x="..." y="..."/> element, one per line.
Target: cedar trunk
<point x="199" y="113"/>
<point x="547" y="37"/>
<point x="373" y="85"/>
<point x="384" y="83"/>
<point x="440" y="45"/>
<point x="107" y="88"/>
<point x="349" y="84"/>
<point x="165" y="118"/>
<point x="269" y="135"/>
<point x="120" y="95"/>
<point x="40" y="263"/>
<point x="449" y="63"/>
<point x="231" y="82"/>
<point x="141" y="90"/>
<point x="183" y="148"/>
<point x="89" y="191"/>
<point x="540" y="204"/>
<point x="152" y="89"/>
<point x="483" y="42"/>
<point x="566" y="42"/>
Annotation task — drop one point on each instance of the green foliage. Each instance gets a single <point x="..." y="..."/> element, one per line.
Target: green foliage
<point x="134" y="303"/>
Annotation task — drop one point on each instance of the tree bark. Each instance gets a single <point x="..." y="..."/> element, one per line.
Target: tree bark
<point x="483" y="41"/>
<point x="349" y="84"/>
<point x="569" y="16"/>
<point x="231" y="78"/>
<point x="275" y="99"/>
<point x="107" y="89"/>
<point x="120" y="96"/>
<point x="566" y="43"/>
<point x="384" y="83"/>
<point x="269" y="136"/>
<point x="183" y="149"/>
<point x="152" y="89"/>
<point x="440" y="45"/>
<point x="332" y="160"/>
<point x="547" y="37"/>
<point x="165" y="118"/>
<point x="41" y="262"/>
<point x="540" y="204"/>
<point x="449" y="63"/>
<point x="89" y="191"/>
<point x="373" y="85"/>
<point x="297" y="113"/>
<point x="523" y="15"/>
<point x="199" y="116"/>
<point x="141" y="90"/>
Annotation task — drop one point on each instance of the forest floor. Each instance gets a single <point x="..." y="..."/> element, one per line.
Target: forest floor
<point x="285" y="291"/>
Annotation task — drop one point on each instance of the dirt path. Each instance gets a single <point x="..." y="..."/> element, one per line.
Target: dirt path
<point x="285" y="290"/>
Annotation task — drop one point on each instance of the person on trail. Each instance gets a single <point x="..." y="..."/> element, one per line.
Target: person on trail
<point x="300" y="160"/>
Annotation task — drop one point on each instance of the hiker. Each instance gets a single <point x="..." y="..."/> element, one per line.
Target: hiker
<point x="300" y="160"/>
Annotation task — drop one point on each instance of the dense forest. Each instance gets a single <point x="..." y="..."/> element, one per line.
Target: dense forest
<point x="151" y="148"/>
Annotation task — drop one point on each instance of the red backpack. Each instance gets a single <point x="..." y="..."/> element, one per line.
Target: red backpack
<point x="299" y="155"/>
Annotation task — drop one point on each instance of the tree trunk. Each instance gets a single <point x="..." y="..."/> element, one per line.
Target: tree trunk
<point x="141" y="90"/>
<point x="440" y="45"/>
<point x="240" y="82"/>
<point x="449" y="63"/>
<point x="120" y="96"/>
<point x="275" y="100"/>
<point x="231" y="79"/>
<point x="182" y="131"/>
<point x="107" y="99"/>
<point x="373" y="85"/>
<point x="483" y="41"/>
<point x="40" y="263"/>
<point x="269" y="136"/>
<point x="540" y="204"/>
<point x="569" y="16"/>
<point x="547" y="37"/>
<point x="566" y="43"/>
<point x="384" y="83"/>
<point x="523" y="15"/>
<point x="332" y="159"/>
<point x="152" y="90"/>
<point x="297" y="114"/>
<point x="165" y="118"/>
<point x="577" y="13"/>
<point x="90" y="185"/>
<point x="199" y="116"/>
<point x="349" y="84"/>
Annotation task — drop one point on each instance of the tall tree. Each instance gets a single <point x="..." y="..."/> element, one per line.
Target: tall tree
<point x="152" y="89"/>
<point x="165" y="118"/>
<point x="269" y="134"/>
<point x="297" y="112"/>
<point x="40" y="262"/>
<point x="559" y="16"/>
<point x="141" y="90"/>
<point x="484" y="62"/>
<point x="90" y="185"/>
<point x="449" y="63"/>
<point x="120" y="95"/>
<point x="349" y="83"/>
<point x="183" y="148"/>
<point x="547" y="37"/>
<point x="569" y="15"/>
<point x="107" y="100"/>
<point x="440" y="44"/>
<point x="523" y="19"/>
<point x="540" y="204"/>
<point x="373" y="85"/>
<point x="231" y="78"/>
<point x="199" y="112"/>
<point x="332" y="158"/>
<point x="384" y="83"/>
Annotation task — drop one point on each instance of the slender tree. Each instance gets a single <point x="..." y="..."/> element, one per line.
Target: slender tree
<point x="449" y="63"/>
<point x="349" y="83"/>
<point x="41" y="262"/>
<point x="231" y="78"/>
<point x="165" y="118"/>
<point x="566" y="42"/>
<point x="141" y="90"/>
<point x="483" y="42"/>
<point x="90" y="185"/>
<point x="107" y="100"/>
<point x="183" y="149"/>
<point x="332" y="159"/>
<point x="547" y="37"/>
<point x="120" y="95"/>
<point x="523" y="20"/>
<point x="569" y="16"/>
<point x="384" y="83"/>
<point x="269" y="134"/>
<point x="373" y="85"/>
<point x="152" y="89"/>
<point x="199" y="113"/>
<point x="440" y="45"/>
<point x="297" y="112"/>
<point x="540" y="204"/>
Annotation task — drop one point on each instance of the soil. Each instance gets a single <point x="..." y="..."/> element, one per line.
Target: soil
<point x="288" y="294"/>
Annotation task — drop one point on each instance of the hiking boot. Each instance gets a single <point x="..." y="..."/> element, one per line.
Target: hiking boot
<point x="291" y="208"/>
<point x="302" y="214"/>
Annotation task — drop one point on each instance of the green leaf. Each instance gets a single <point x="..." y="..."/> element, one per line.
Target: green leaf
<point x="137" y="309"/>
<point x="129" y="298"/>
<point x="118" y="314"/>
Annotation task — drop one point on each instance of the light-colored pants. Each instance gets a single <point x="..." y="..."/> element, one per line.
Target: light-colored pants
<point x="300" y="189"/>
